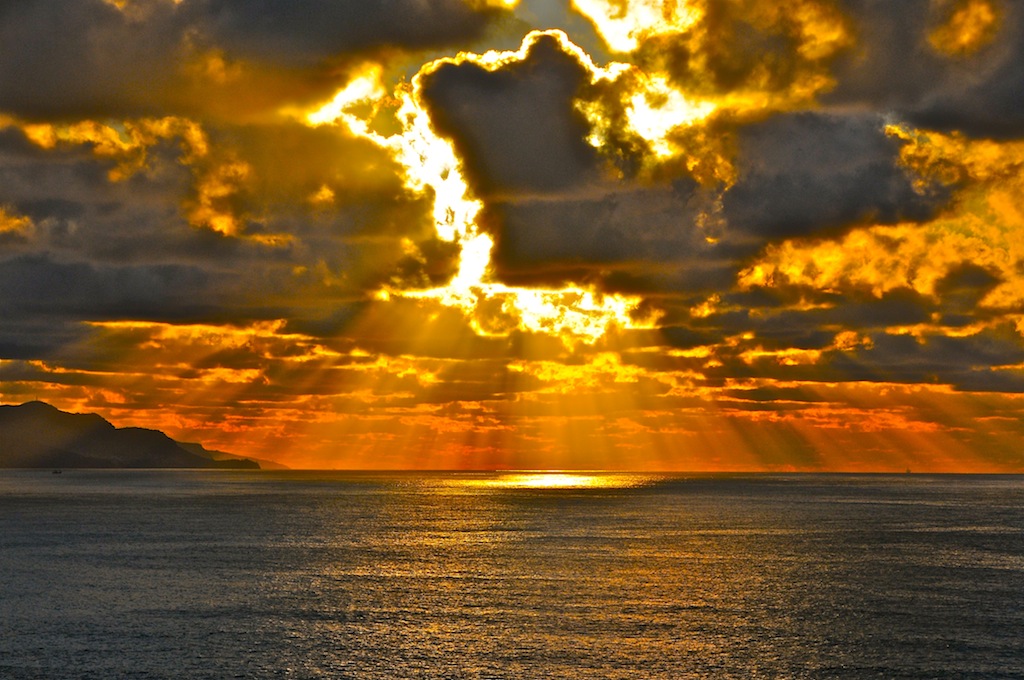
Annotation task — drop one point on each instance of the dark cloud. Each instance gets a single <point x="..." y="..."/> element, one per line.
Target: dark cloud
<point x="222" y="57"/>
<point x="794" y="316"/>
<point x="686" y="337"/>
<point x="290" y="162"/>
<point x="558" y="214"/>
<point x="516" y="127"/>
<point x="895" y="68"/>
<point x="892" y="62"/>
<point x="966" y="363"/>
<point x="29" y="337"/>
<point x="991" y="108"/>
<point x="781" y="325"/>
<point x="752" y="327"/>
<point x="359" y="229"/>
<point x="632" y="229"/>
<point x="78" y="213"/>
<point x="96" y="58"/>
<point x="311" y="31"/>
<point x="961" y="291"/>
<point x="815" y="174"/>
<point x="39" y="286"/>
<point x="770" y="397"/>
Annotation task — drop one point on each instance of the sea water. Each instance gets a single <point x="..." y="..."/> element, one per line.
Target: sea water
<point x="218" y="574"/>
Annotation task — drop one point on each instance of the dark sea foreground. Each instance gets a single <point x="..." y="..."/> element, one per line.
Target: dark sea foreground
<point x="221" y="574"/>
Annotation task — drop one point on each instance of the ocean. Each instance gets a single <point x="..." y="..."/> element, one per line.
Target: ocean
<point x="225" y="574"/>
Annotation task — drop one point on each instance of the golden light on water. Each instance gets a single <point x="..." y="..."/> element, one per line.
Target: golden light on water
<point x="556" y="480"/>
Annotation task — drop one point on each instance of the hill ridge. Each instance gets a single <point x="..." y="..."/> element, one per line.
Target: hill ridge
<point x="37" y="434"/>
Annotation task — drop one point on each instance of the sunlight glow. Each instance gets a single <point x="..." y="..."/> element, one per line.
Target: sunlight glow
<point x="496" y="4"/>
<point x="559" y="480"/>
<point x="625" y="23"/>
<point x="660" y="109"/>
<point x="364" y="88"/>
<point x="433" y="167"/>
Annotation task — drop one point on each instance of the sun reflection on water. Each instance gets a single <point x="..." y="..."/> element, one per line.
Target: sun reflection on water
<point x="558" y="480"/>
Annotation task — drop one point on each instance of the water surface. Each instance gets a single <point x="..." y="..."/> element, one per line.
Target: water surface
<point x="217" y="574"/>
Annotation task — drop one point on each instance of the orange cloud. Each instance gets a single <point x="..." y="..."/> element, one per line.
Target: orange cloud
<point x="12" y="223"/>
<point x="980" y="226"/>
<point x="969" y="26"/>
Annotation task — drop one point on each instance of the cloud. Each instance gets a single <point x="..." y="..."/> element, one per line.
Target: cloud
<point x="39" y="286"/>
<point x="967" y="363"/>
<point x="560" y="211"/>
<point x="515" y="127"/>
<point x="231" y="59"/>
<point x="124" y="232"/>
<point x="811" y="174"/>
<point x="97" y="59"/>
<point x="281" y="31"/>
<point x="762" y="50"/>
<point x="909" y="62"/>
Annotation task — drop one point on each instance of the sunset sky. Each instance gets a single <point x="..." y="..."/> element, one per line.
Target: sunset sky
<point x="597" y="234"/>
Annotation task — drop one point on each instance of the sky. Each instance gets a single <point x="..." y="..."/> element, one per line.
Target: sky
<point x="489" y="234"/>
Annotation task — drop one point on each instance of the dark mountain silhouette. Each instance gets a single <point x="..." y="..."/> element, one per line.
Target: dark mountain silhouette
<point x="214" y="454"/>
<point x="36" y="434"/>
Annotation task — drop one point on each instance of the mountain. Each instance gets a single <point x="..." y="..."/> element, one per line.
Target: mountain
<point x="36" y="434"/>
<point x="214" y="454"/>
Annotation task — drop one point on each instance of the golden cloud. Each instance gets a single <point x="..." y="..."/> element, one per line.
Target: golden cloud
<point x="757" y="55"/>
<point x="969" y="26"/>
<point x="981" y="226"/>
<point x="12" y="223"/>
